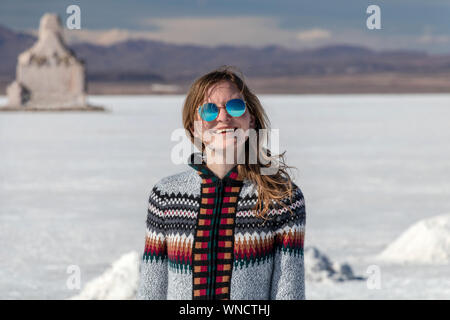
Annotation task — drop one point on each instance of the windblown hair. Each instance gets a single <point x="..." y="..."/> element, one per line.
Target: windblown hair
<point x="272" y="189"/>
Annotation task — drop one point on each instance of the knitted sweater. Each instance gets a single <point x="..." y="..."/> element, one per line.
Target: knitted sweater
<point x="204" y="241"/>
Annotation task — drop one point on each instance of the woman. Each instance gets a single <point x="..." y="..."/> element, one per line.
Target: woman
<point x="223" y="229"/>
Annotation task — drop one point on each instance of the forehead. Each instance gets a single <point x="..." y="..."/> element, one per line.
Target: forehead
<point x="222" y="91"/>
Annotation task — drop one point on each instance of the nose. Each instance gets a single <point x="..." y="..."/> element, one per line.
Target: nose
<point x="223" y="115"/>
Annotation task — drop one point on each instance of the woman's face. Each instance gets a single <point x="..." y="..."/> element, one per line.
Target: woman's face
<point x="220" y="93"/>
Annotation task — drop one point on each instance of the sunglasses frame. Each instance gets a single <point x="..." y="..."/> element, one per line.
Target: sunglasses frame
<point x="245" y="109"/>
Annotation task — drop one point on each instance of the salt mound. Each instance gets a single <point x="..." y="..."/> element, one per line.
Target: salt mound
<point x="117" y="283"/>
<point x="318" y="267"/>
<point x="425" y="242"/>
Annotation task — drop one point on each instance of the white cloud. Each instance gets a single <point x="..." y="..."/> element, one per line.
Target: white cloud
<point x="312" y="35"/>
<point x="238" y="30"/>
<point x="211" y="31"/>
<point x="105" y="37"/>
<point x="257" y="32"/>
<point x="434" y="39"/>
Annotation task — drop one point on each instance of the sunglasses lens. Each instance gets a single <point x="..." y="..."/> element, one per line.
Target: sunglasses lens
<point x="209" y="111"/>
<point x="236" y="107"/>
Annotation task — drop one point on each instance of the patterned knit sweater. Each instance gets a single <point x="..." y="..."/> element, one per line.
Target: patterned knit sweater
<point x="204" y="241"/>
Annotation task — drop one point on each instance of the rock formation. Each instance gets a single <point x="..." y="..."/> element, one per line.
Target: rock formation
<point x="48" y="75"/>
<point x="318" y="268"/>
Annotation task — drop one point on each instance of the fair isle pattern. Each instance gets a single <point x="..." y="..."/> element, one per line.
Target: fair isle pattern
<point x="213" y="243"/>
<point x="259" y="246"/>
<point x="194" y="215"/>
<point x="179" y="252"/>
<point x="155" y="246"/>
<point x="290" y="241"/>
<point x="290" y="238"/>
<point x="252" y="248"/>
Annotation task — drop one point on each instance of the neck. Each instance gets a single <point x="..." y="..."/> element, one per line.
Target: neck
<point x="220" y="170"/>
<point x="218" y="163"/>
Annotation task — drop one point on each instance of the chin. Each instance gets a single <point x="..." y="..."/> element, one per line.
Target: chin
<point x="223" y="146"/>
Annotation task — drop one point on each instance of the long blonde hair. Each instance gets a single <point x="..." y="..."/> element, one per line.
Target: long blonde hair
<point x="271" y="188"/>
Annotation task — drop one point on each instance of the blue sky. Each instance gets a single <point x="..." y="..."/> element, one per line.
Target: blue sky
<point x="406" y="24"/>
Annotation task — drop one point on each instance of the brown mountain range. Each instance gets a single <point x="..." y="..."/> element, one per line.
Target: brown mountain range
<point x="134" y="67"/>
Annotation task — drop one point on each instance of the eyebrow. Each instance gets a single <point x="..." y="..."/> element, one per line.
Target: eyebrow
<point x="235" y="96"/>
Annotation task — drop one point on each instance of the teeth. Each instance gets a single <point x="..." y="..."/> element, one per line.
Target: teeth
<point x="224" y="130"/>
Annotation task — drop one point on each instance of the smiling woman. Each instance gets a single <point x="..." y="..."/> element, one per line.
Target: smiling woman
<point x="224" y="230"/>
<point x="219" y="123"/>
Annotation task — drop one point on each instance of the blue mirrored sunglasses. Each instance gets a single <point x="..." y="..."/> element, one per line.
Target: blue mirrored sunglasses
<point x="209" y="111"/>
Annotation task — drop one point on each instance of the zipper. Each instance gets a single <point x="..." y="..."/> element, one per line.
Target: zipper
<point x="215" y="232"/>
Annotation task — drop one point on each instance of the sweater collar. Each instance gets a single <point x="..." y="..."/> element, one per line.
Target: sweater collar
<point x="198" y="161"/>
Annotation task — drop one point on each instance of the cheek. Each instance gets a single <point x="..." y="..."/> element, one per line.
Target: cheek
<point x="206" y="134"/>
<point x="207" y="125"/>
<point x="244" y="121"/>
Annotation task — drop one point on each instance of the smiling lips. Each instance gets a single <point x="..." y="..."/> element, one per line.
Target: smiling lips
<point x="224" y="130"/>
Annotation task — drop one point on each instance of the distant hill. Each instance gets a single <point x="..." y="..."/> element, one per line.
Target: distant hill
<point x="177" y="63"/>
<point x="156" y="61"/>
<point x="11" y="44"/>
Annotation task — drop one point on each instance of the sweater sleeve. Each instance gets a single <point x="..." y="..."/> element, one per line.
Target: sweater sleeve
<point x="153" y="270"/>
<point x="288" y="277"/>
